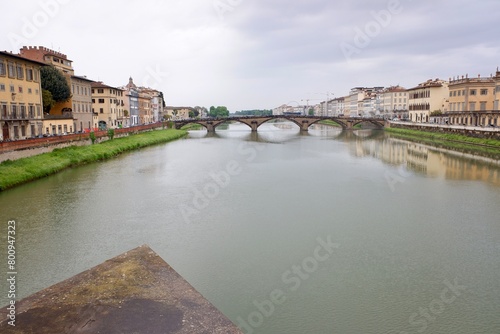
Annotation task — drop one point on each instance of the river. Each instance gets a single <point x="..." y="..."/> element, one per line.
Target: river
<point x="284" y="232"/>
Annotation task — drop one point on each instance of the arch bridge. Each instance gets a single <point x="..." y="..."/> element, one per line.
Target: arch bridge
<point x="304" y="122"/>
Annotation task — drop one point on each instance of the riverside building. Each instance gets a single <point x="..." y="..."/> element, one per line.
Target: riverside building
<point x="20" y="97"/>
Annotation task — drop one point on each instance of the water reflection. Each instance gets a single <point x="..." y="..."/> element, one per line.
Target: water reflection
<point x="420" y="158"/>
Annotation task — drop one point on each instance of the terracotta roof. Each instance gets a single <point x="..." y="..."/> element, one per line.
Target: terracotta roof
<point x="82" y="78"/>
<point x="10" y="54"/>
<point x="99" y="84"/>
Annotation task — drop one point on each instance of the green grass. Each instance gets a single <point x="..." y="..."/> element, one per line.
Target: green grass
<point x="13" y="173"/>
<point x="445" y="136"/>
<point x="192" y="126"/>
<point x="462" y="143"/>
<point x="329" y="122"/>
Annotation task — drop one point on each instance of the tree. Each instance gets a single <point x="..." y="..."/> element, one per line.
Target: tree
<point x="437" y="112"/>
<point x="125" y="113"/>
<point x="311" y="112"/>
<point x="257" y="112"/>
<point x="48" y="101"/>
<point x="111" y="134"/>
<point x="200" y="111"/>
<point x="220" y="111"/>
<point x="55" y="82"/>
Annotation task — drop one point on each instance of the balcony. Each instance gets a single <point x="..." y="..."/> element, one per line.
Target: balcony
<point x="14" y="116"/>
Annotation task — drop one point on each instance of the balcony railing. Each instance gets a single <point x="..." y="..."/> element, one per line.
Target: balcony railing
<point x="15" y="116"/>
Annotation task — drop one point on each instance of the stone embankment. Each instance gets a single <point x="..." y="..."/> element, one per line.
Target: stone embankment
<point x="486" y="132"/>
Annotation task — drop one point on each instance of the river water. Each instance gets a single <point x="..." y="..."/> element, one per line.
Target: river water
<point x="284" y="232"/>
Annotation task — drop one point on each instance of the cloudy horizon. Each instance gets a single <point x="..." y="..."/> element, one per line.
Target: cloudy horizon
<point x="260" y="54"/>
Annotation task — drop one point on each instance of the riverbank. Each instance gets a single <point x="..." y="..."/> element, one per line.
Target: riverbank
<point x="13" y="173"/>
<point x="335" y="124"/>
<point x="488" y="147"/>
<point x="192" y="127"/>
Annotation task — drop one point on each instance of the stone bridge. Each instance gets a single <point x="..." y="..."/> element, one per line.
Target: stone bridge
<point x="304" y="122"/>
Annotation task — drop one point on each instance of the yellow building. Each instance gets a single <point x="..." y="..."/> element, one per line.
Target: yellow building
<point x="108" y="103"/>
<point x="471" y="94"/>
<point x="81" y="90"/>
<point x="57" y="125"/>
<point x="427" y="97"/>
<point x="175" y="113"/>
<point x="473" y="101"/>
<point x="59" y="61"/>
<point x="20" y="97"/>
<point x="145" y="114"/>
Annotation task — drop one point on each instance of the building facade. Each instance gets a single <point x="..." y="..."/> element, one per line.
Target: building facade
<point x="427" y="97"/>
<point x="59" y="61"/>
<point x="84" y="119"/>
<point x="108" y="103"/>
<point x="20" y="97"/>
<point x="145" y="114"/>
<point x="471" y="94"/>
<point x="394" y="103"/>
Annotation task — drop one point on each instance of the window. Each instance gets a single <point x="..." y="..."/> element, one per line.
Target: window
<point x="101" y="100"/>
<point x="29" y="74"/>
<point x="20" y="72"/>
<point x="3" y="70"/>
<point x="473" y="92"/>
<point x="23" y="111"/>
<point x="14" y="111"/>
<point x="31" y="110"/>
<point x="93" y="100"/>
<point x="484" y="92"/>
<point x="12" y="70"/>
<point x="482" y="106"/>
<point x="20" y="89"/>
<point x="459" y="92"/>
<point x="101" y="110"/>
<point x="472" y="106"/>
<point x="3" y="110"/>
<point x="38" y="110"/>
<point x="30" y="91"/>
<point x="12" y="89"/>
<point x="2" y="88"/>
<point x="100" y="91"/>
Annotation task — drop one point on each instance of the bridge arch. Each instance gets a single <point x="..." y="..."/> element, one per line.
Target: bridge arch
<point x="282" y="117"/>
<point x="379" y="124"/>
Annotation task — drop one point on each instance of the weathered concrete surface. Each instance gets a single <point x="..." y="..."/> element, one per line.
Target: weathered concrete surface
<point x="136" y="292"/>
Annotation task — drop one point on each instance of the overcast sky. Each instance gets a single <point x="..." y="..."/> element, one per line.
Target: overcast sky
<point x="259" y="54"/>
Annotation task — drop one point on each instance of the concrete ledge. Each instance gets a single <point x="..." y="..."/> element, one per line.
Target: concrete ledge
<point x="136" y="292"/>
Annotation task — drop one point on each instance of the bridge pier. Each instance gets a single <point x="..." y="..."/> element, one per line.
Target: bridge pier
<point x="210" y="127"/>
<point x="254" y="125"/>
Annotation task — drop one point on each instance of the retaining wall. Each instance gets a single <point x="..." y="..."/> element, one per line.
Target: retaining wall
<point x="471" y="131"/>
